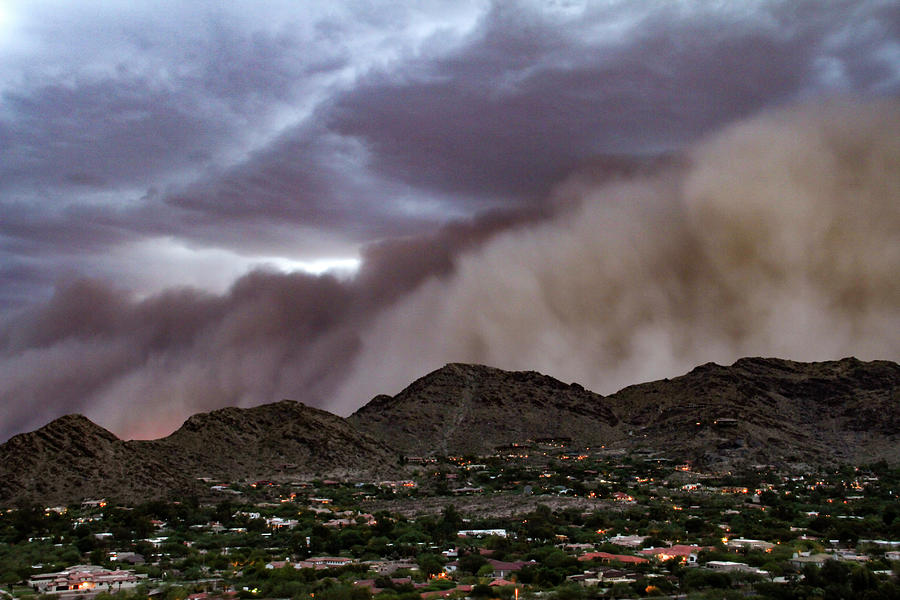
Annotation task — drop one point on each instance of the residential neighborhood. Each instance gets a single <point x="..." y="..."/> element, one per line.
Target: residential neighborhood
<point x="543" y="521"/>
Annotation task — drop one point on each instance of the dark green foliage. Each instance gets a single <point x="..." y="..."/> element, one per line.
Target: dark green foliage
<point x="470" y="563"/>
<point x="696" y="579"/>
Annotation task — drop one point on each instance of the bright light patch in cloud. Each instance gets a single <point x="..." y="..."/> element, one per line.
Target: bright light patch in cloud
<point x="166" y="262"/>
<point x="320" y="266"/>
<point x="7" y="23"/>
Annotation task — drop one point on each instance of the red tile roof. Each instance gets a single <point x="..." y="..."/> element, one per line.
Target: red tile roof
<point x="622" y="558"/>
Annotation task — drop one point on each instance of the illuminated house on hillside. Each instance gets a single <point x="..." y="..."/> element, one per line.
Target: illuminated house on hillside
<point x="84" y="578"/>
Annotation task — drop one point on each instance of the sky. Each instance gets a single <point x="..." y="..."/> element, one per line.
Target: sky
<point x="208" y="204"/>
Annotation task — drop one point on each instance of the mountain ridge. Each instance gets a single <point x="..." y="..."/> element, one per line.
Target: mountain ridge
<point x="279" y="441"/>
<point x="840" y="411"/>
<point x="755" y="411"/>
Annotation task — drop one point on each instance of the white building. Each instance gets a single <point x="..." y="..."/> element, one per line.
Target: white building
<point x="481" y="532"/>
<point x="84" y="578"/>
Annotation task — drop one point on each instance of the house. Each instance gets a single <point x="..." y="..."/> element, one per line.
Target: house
<point x="279" y="523"/>
<point x="325" y="562"/>
<point x="83" y="578"/>
<point x="387" y="567"/>
<point x="728" y="566"/>
<point x="481" y="532"/>
<point x="577" y="547"/>
<point x="749" y="544"/>
<point x="504" y="569"/>
<point x="584" y="579"/>
<point x="628" y="541"/>
<point x="606" y="557"/>
<point x="805" y="558"/>
<point x="681" y="552"/>
<point x="280" y="564"/>
<point x="605" y="576"/>
<point x="398" y="485"/>
<point x="130" y="557"/>
<point x="850" y="555"/>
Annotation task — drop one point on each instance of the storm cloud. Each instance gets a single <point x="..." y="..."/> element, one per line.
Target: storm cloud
<point x="777" y="237"/>
<point x="141" y="366"/>
<point x="167" y="177"/>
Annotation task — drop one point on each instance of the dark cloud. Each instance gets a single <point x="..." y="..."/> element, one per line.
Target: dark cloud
<point x="142" y="151"/>
<point x="96" y="349"/>
<point x="776" y="236"/>
<point x="511" y="110"/>
<point x="247" y="127"/>
<point x="102" y="134"/>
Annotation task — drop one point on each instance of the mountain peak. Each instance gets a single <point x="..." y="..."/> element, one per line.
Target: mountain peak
<point x="63" y="428"/>
<point x="467" y="408"/>
<point x="280" y="439"/>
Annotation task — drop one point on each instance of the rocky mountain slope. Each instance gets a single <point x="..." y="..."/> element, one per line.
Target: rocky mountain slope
<point x="756" y="411"/>
<point x="471" y="409"/>
<point x="72" y="458"/>
<point x="280" y="441"/>
<point x="769" y="410"/>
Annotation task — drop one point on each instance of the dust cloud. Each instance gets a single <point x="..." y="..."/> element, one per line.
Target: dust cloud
<point x="778" y="236"/>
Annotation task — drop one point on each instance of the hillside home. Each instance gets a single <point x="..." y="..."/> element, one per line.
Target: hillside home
<point x="84" y="578"/>
<point x="806" y="558"/>
<point x="279" y="523"/>
<point x="387" y="567"/>
<point x="628" y="541"/>
<point x="481" y="532"/>
<point x="606" y="557"/>
<point x="678" y="551"/>
<point x="325" y="562"/>
<point x="503" y="569"/>
<point x="749" y="544"/>
<point x="728" y="566"/>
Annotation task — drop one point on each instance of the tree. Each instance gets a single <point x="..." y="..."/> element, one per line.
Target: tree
<point x="485" y="570"/>
<point x="9" y="579"/>
<point x="470" y="563"/>
<point x="863" y="579"/>
<point x="449" y="523"/>
<point x="430" y="564"/>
